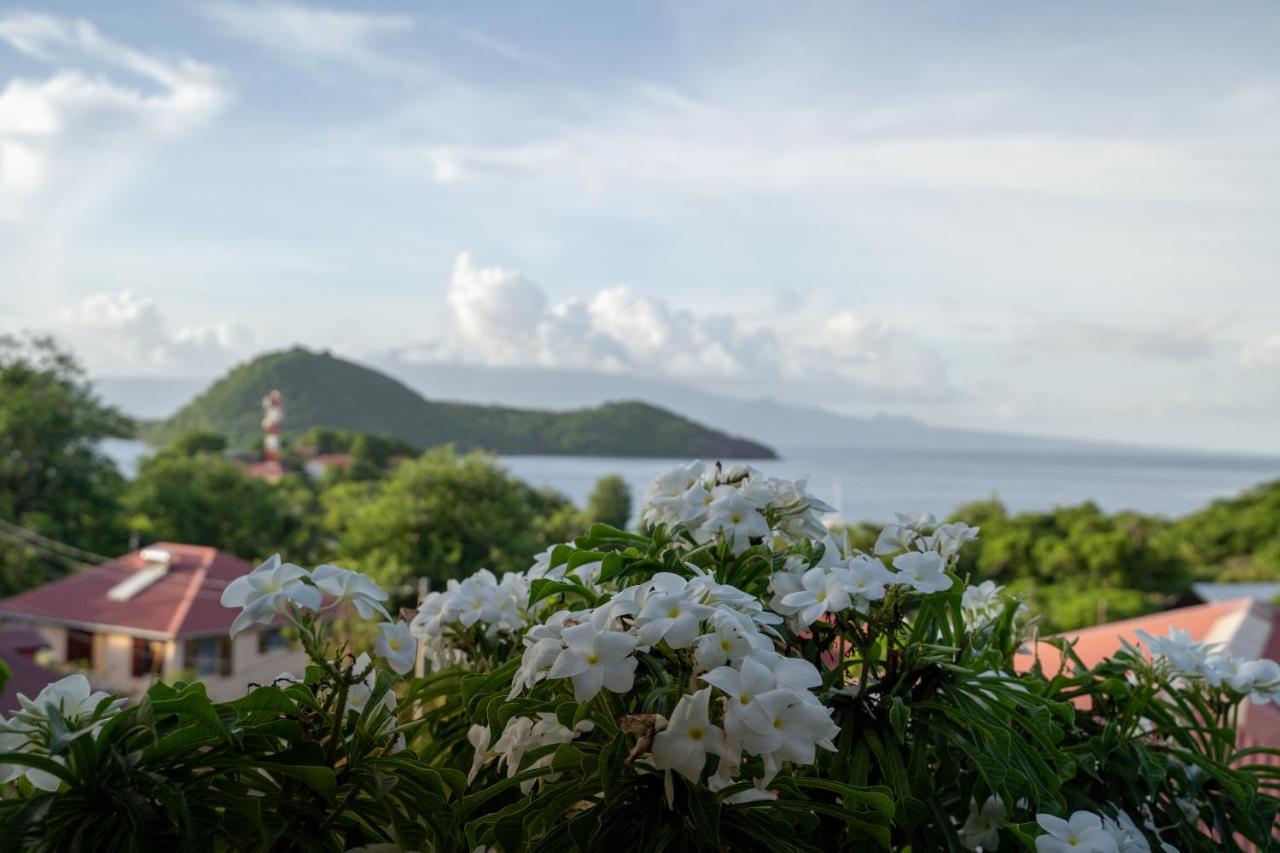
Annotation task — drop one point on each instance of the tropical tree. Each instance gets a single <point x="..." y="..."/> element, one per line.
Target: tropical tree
<point x="54" y="479"/>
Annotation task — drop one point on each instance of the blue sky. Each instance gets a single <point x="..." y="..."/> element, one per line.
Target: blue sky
<point x="1033" y="217"/>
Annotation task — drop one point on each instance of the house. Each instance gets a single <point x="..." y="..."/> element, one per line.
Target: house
<point x="1243" y="627"/>
<point x="153" y="613"/>
<point x="318" y="465"/>
<point x="1211" y="592"/>
<point x="18" y="650"/>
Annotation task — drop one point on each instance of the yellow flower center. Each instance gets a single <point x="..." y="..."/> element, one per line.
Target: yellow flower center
<point x="744" y="699"/>
<point x="593" y="658"/>
<point x="673" y="612"/>
<point x="777" y="723"/>
<point x="724" y="645"/>
<point x="695" y="733"/>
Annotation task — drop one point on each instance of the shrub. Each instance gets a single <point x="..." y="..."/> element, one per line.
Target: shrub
<point x="731" y="678"/>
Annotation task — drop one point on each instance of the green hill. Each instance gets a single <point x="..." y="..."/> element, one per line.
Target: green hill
<point x="323" y="391"/>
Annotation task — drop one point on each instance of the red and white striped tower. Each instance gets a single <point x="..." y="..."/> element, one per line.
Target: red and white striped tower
<point x="273" y="414"/>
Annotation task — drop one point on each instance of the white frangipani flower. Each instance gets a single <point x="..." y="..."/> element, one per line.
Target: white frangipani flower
<point x="1081" y="833"/>
<point x="347" y="587"/>
<point x="83" y="712"/>
<point x="981" y="829"/>
<point x="947" y="539"/>
<point x="267" y="592"/>
<point x="397" y="645"/>
<point x="593" y="659"/>
<point x="683" y="745"/>
<point x="1125" y="833"/>
<point x="822" y="591"/>
<point x="744" y="686"/>
<point x="902" y="535"/>
<point x="1185" y="655"/>
<point x="672" y="617"/>
<point x="926" y="572"/>
<point x="358" y="694"/>
<point x="732" y="514"/>
<point x="479" y="737"/>
<point x="792" y="727"/>
<point x="866" y="578"/>
<point x="729" y="642"/>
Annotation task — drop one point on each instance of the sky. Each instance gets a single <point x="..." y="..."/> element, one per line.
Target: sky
<point x="1048" y="218"/>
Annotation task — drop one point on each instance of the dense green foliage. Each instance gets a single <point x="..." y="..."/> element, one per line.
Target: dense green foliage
<point x="443" y="516"/>
<point x="1232" y="539"/>
<point x="207" y="499"/>
<point x="1079" y="566"/>
<point x="609" y="502"/>
<point x="321" y="390"/>
<point x="931" y="718"/>
<point x="195" y="441"/>
<point x="54" y="479"/>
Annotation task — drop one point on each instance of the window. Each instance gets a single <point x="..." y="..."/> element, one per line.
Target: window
<point x="148" y="657"/>
<point x="272" y="640"/>
<point x="80" y="647"/>
<point x="209" y="656"/>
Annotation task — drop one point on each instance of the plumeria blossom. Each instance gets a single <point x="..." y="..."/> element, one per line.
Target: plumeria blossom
<point x="924" y="572"/>
<point x="1125" y="833"/>
<point x="728" y="642"/>
<point x="593" y="659"/>
<point x="666" y="498"/>
<point x="689" y="736"/>
<point x="901" y="536"/>
<point x="981" y="603"/>
<point x="981" y="829"/>
<point x="821" y="591"/>
<point x="734" y="516"/>
<point x="268" y="591"/>
<point x="866" y="579"/>
<point x="347" y="587"/>
<point x="397" y="645"/>
<point x="1083" y="832"/>
<point x="1186" y="656"/>
<point x="481" y="603"/>
<point x="673" y="617"/>
<point x="947" y="539"/>
<point x="81" y="710"/>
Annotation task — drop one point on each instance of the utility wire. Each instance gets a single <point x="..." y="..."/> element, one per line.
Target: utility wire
<point x="40" y="540"/>
<point x="62" y="559"/>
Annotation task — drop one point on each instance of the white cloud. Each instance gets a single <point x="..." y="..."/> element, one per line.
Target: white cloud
<point x="65" y="138"/>
<point x="1262" y="355"/>
<point x="646" y="136"/>
<point x="499" y="317"/>
<point x="311" y="36"/>
<point x="121" y="332"/>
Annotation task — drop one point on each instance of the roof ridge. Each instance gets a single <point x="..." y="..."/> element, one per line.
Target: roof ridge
<point x="188" y="598"/>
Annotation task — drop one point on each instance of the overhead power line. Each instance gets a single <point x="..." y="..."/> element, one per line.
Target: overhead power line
<point x="39" y="540"/>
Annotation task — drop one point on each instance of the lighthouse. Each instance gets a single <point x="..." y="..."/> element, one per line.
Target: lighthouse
<point x="272" y="415"/>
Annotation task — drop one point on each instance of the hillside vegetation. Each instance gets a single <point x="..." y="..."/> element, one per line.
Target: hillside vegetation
<point x="321" y="390"/>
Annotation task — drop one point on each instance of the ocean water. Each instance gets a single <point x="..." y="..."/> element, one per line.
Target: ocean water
<point x="872" y="485"/>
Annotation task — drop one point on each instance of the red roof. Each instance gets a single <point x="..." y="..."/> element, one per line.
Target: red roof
<point x="184" y="602"/>
<point x="17" y="645"/>
<point x="268" y="470"/>
<point x="340" y="459"/>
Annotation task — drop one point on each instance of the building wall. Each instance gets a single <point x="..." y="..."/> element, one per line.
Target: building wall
<point x="113" y="663"/>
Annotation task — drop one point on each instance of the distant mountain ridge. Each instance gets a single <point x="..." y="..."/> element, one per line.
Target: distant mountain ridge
<point x="320" y="389"/>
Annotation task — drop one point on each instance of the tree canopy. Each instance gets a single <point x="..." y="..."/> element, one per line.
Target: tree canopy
<point x="54" y="479"/>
